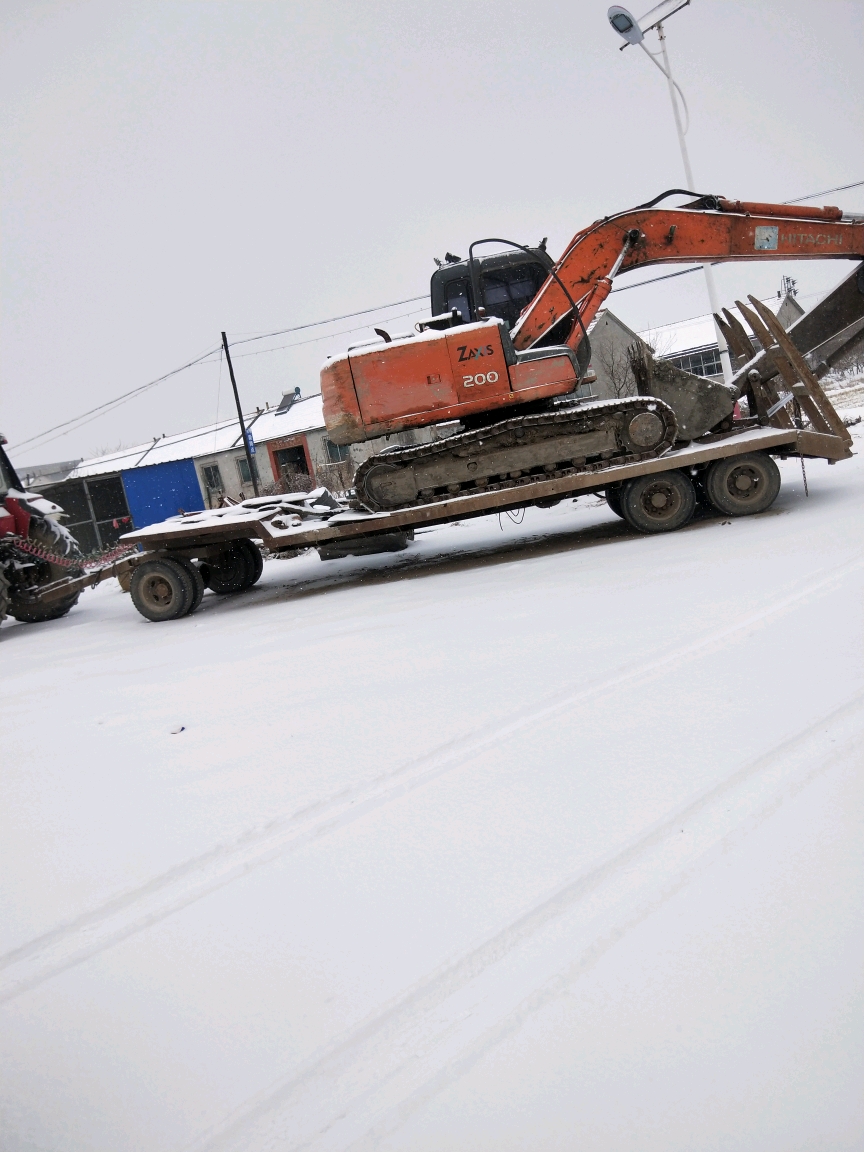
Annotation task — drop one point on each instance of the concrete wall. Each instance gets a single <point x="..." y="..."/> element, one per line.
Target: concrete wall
<point x="610" y="338"/>
<point x="322" y="469"/>
<point x="337" y="477"/>
<point x="232" y="483"/>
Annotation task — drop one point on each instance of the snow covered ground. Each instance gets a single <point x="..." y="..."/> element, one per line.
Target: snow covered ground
<point x="538" y="836"/>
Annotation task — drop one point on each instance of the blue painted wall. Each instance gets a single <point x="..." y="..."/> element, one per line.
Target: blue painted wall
<point x="158" y="491"/>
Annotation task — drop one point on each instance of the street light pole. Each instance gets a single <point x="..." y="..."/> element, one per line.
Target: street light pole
<point x="632" y="31"/>
<point x="688" y="172"/>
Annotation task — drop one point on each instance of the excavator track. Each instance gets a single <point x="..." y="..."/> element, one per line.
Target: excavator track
<point x="567" y="440"/>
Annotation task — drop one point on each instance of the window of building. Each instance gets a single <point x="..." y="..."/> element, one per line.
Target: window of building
<point x="705" y="362"/>
<point x="212" y="477"/>
<point x="336" y="453"/>
<point x="243" y="469"/>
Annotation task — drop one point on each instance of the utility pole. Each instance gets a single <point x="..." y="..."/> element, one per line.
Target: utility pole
<point x="249" y="459"/>
<point x="706" y="268"/>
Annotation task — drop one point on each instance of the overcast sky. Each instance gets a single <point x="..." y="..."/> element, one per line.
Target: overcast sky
<point x="174" y="168"/>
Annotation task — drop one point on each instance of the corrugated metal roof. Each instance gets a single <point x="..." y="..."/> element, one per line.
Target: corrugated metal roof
<point x="304" y="415"/>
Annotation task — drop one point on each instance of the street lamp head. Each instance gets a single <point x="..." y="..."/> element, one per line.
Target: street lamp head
<point x="625" y="24"/>
<point x="633" y="30"/>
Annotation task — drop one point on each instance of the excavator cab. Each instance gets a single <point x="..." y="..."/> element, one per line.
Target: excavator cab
<point x="509" y="281"/>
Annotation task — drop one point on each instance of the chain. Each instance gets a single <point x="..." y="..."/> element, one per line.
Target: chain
<point x="801" y="458"/>
<point x="69" y="562"/>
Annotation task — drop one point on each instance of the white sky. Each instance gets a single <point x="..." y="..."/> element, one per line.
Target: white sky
<point x="171" y="169"/>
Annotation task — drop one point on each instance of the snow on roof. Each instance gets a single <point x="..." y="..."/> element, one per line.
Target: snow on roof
<point x="695" y="333"/>
<point x="304" y="415"/>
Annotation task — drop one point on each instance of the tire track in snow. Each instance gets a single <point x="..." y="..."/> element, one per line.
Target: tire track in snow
<point x="92" y="932"/>
<point x="368" y="1082"/>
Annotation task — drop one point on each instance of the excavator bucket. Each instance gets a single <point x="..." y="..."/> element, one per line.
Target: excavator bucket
<point x="699" y="404"/>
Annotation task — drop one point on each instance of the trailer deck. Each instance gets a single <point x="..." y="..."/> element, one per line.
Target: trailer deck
<point x="265" y="519"/>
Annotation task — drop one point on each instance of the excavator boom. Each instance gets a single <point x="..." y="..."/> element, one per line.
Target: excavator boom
<point x="709" y="230"/>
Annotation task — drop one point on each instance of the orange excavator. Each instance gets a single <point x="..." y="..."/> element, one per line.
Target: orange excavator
<point x="507" y="347"/>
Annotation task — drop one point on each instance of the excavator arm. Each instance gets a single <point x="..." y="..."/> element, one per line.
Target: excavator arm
<point x="711" y="229"/>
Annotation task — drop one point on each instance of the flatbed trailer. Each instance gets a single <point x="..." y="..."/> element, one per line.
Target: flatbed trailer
<point x="217" y="538"/>
<point x="731" y="470"/>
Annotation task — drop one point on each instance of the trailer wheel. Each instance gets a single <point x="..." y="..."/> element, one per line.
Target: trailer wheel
<point x="232" y="570"/>
<point x="613" y="500"/>
<point x="4" y="596"/>
<point x="53" y="538"/>
<point x="743" y="485"/>
<point x="162" y="589"/>
<point x="197" y="583"/>
<point x="661" y="502"/>
<point x="257" y="560"/>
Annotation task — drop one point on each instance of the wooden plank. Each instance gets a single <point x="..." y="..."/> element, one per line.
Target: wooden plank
<point x="790" y="378"/>
<point x="751" y="385"/>
<point x="769" y="345"/>
<point x="823" y="446"/>
<point x="785" y="367"/>
<point x="743" y="347"/>
<point x="824" y="406"/>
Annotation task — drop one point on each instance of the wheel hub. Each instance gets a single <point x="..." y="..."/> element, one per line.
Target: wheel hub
<point x="660" y="501"/>
<point x="159" y="591"/>
<point x="743" y="482"/>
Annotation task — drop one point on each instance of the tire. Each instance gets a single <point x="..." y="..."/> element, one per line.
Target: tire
<point x="232" y="571"/>
<point x="54" y="538"/>
<point x="254" y="554"/>
<point x="4" y="596"/>
<point x="162" y="590"/>
<point x="743" y="485"/>
<point x="662" y="502"/>
<point x="613" y="499"/>
<point x="197" y="583"/>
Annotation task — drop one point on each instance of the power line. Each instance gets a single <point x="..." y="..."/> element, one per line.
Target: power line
<point x="182" y="438"/>
<point x="827" y="192"/>
<point x="668" y="276"/>
<point x="332" y="320"/>
<point x="117" y="400"/>
<point x="210" y="356"/>
<point x="327" y="336"/>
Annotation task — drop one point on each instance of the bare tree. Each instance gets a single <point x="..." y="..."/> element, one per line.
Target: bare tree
<point x="337" y="477"/>
<point x="288" y="482"/>
<point x="614" y="363"/>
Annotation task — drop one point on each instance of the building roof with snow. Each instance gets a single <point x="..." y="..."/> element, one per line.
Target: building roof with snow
<point x="303" y="415"/>
<point x="692" y="344"/>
